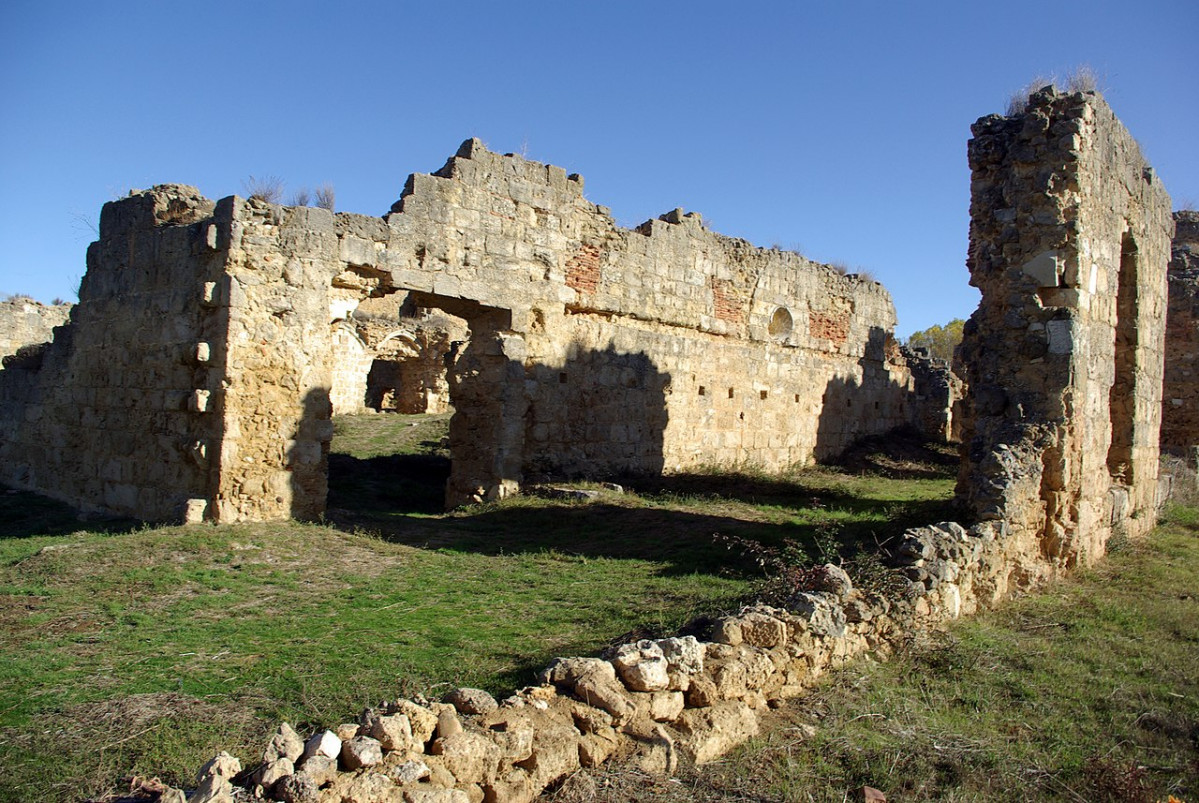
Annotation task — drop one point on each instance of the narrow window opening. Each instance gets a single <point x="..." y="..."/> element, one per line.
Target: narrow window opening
<point x="562" y="378"/>
<point x="730" y="393"/>
<point x="1122" y="396"/>
<point x="702" y="390"/>
<point x="763" y="395"/>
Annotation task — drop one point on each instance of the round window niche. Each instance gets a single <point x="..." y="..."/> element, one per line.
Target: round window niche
<point x="780" y="324"/>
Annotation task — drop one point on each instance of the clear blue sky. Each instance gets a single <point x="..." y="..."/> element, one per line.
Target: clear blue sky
<point x="838" y="127"/>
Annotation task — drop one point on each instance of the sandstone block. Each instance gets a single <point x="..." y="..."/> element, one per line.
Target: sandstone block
<point x="298" y="788"/>
<point x="471" y="757"/>
<point x="326" y="743"/>
<point x="222" y="765"/>
<point x="212" y="789"/>
<point x="270" y="774"/>
<point x="555" y="753"/>
<point x="361" y="751"/>
<point x="408" y="772"/>
<point x="448" y="723"/>
<point x="642" y="666"/>
<point x="422" y="720"/>
<point x="471" y="701"/>
<point x="319" y="767"/>
<point x="711" y="732"/>
<point x="394" y="731"/>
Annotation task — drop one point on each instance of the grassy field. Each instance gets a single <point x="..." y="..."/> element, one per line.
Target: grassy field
<point x="1089" y="692"/>
<point x="131" y="650"/>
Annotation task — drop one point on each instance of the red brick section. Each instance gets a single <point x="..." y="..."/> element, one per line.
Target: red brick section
<point x="830" y="326"/>
<point x="583" y="269"/>
<point x="729" y="307"/>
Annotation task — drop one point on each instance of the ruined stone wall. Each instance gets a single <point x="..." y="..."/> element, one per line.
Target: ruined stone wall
<point x="1180" y="411"/>
<point x="592" y="349"/>
<point x="352" y="360"/>
<point x="114" y="415"/>
<point x="666" y="347"/>
<point x="937" y="395"/>
<point x="25" y="322"/>
<point x="1069" y="240"/>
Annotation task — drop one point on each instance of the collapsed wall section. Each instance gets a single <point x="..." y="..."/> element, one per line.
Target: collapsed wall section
<point x="1180" y="410"/>
<point x="112" y="416"/>
<point x="1069" y="239"/>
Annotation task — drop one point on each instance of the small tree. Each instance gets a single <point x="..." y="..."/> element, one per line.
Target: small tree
<point x="300" y="197"/>
<point x="268" y="188"/>
<point x="939" y="341"/>
<point x="325" y="197"/>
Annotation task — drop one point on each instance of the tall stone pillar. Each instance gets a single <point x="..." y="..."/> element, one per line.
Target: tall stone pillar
<point x="1069" y="238"/>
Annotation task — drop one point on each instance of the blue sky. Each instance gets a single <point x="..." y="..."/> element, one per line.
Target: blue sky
<point x="838" y="128"/>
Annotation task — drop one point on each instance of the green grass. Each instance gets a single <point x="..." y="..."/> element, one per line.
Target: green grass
<point x="131" y="650"/>
<point x="1088" y="692"/>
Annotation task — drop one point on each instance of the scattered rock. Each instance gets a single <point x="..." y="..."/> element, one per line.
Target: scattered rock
<point x="471" y="701"/>
<point x="409" y="772"/>
<point x="286" y="743"/>
<point x="325" y="743"/>
<point x="299" y="787"/>
<point x="361" y="751"/>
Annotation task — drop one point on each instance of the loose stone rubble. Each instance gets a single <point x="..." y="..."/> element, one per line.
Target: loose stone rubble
<point x="656" y="703"/>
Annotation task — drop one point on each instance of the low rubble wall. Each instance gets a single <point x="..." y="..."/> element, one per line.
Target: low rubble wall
<point x="656" y="703"/>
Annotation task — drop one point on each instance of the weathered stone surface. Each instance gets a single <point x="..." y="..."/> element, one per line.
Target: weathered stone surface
<point x="212" y="789"/>
<point x="394" y="731"/>
<point x="270" y="774"/>
<point x="1080" y="339"/>
<point x="705" y="349"/>
<point x="319" y="767"/>
<point x="366" y="787"/>
<point x="448" y="723"/>
<point x="422" y="720"/>
<point x="299" y="787"/>
<point x="420" y="794"/>
<point x="326" y="743"/>
<point x="702" y="692"/>
<point x="286" y="743"/>
<point x="513" y="787"/>
<point x="361" y="751"/>
<point x="711" y="732"/>
<point x="642" y="666"/>
<point x="594" y="682"/>
<point x="471" y="701"/>
<point x="1180" y="379"/>
<point x="408" y="772"/>
<point x="471" y="757"/>
<point x="222" y="765"/>
<point x="25" y="322"/>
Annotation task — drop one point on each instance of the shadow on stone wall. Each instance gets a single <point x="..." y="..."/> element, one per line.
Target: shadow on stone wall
<point x="600" y="414"/>
<point x="853" y="410"/>
<point x="308" y="456"/>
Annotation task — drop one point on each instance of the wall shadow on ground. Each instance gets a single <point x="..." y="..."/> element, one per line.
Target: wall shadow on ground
<point x="25" y="514"/>
<point x="652" y="522"/>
